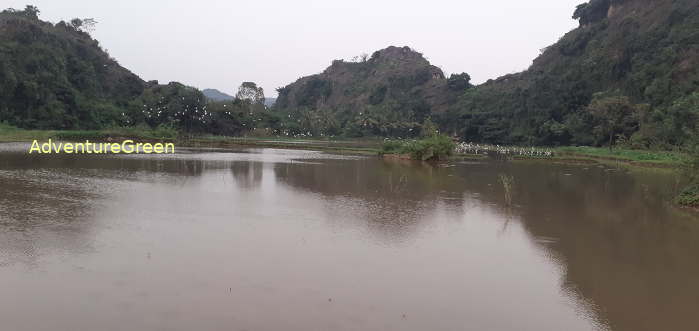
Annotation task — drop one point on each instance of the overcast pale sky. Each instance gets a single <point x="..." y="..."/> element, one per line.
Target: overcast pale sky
<point x="221" y="43"/>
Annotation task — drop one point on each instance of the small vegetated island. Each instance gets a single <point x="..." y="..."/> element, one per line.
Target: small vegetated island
<point x="627" y="77"/>
<point x="435" y="147"/>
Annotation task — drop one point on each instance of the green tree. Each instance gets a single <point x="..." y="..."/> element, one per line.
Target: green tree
<point x="592" y="11"/>
<point x="32" y="12"/>
<point x="459" y="82"/>
<point x="86" y="24"/>
<point x="76" y="23"/>
<point x="429" y="129"/>
<point x="249" y="91"/>
<point x="681" y="120"/>
<point x="613" y="115"/>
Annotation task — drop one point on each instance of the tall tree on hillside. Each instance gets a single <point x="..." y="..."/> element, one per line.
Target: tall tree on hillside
<point x="591" y="12"/>
<point x="613" y="115"/>
<point x="32" y="12"/>
<point x="459" y="82"/>
<point x="85" y="25"/>
<point x="249" y="91"/>
<point x="681" y="120"/>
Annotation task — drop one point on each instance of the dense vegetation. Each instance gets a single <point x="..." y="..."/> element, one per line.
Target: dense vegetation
<point x="55" y="76"/>
<point x="390" y="93"/>
<point x="690" y="195"/>
<point x="628" y="75"/>
<point x="187" y="109"/>
<point x="436" y="147"/>
<point x="431" y="145"/>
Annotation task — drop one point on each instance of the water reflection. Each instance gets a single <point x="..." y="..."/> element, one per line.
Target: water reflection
<point x="625" y="253"/>
<point x="389" y="199"/>
<point x="247" y="174"/>
<point x="302" y="240"/>
<point x="42" y="212"/>
<point x="622" y="247"/>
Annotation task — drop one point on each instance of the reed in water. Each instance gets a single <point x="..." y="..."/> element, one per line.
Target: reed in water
<point x="508" y="182"/>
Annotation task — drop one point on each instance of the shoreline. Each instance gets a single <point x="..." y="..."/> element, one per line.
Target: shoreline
<point x="367" y="146"/>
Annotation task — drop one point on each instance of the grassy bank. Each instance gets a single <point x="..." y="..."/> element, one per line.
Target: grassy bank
<point x="12" y="134"/>
<point x="364" y="146"/>
<point x="343" y="146"/>
<point x="412" y="149"/>
<point x="635" y="157"/>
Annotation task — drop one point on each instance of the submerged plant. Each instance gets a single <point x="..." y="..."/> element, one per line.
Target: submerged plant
<point x="508" y="182"/>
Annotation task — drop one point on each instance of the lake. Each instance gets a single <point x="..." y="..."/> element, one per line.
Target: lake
<point x="268" y="239"/>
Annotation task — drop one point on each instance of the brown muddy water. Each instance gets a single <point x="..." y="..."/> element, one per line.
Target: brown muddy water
<point x="264" y="239"/>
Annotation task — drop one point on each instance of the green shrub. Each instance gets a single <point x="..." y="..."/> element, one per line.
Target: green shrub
<point x="392" y="147"/>
<point x="4" y="126"/>
<point x="164" y="131"/>
<point x="431" y="148"/>
<point x="689" y="197"/>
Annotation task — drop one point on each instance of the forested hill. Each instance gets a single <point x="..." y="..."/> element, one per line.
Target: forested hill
<point x="629" y="73"/>
<point x="631" y="62"/>
<point x="388" y="93"/>
<point x="56" y="76"/>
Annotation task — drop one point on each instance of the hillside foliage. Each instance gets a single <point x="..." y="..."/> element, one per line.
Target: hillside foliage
<point x="637" y="60"/>
<point x="56" y="76"/>
<point x="628" y="75"/>
<point x="390" y="93"/>
<point x="643" y="52"/>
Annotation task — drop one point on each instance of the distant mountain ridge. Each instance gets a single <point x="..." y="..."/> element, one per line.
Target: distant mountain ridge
<point x="216" y="95"/>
